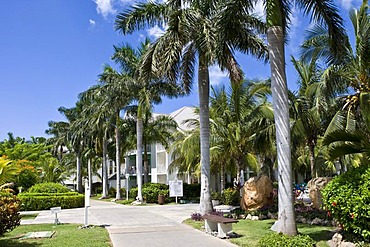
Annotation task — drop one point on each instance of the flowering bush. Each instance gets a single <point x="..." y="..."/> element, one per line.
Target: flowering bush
<point x="9" y="212"/>
<point x="347" y="199"/>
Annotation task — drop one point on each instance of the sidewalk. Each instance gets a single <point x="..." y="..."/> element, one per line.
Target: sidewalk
<point x="153" y="226"/>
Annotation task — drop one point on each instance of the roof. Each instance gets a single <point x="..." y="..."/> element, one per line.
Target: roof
<point x="180" y="115"/>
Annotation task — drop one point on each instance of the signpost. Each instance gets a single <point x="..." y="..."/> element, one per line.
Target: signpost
<point x="176" y="188"/>
<point x="87" y="202"/>
<point x="127" y="178"/>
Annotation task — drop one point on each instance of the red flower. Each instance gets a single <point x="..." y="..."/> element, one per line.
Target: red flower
<point x="329" y="214"/>
<point x="352" y="215"/>
<point x="334" y="204"/>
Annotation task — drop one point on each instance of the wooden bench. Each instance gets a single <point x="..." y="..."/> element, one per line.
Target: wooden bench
<point x="219" y="224"/>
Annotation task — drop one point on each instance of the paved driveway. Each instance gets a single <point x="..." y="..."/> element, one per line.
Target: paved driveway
<point x="153" y="226"/>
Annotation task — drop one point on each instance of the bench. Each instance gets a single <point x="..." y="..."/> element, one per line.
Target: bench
<point x="219" y="224"/>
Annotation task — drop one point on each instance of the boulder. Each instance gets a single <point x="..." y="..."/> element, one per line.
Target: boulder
<point x="314" y="187"/>
<point x="258" y="192"/>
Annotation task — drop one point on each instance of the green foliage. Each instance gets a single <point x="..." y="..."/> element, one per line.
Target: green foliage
<point x="191" y="191"/>
<point x="28" y="175"/>
<point x="45" y="201"/>
<point x="7" y="171"/>
<point x="150" y="192"/>
<point x="279" y="239"/>
<point x="48" y="188"/>
<point x="112" y="192"/>
<point x="9" y="213"/>
<point x="347" y="198"/>
<point x="231" y="196"/>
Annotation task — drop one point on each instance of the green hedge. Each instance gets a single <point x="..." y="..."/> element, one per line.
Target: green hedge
<point x="279" y="239"/>
<point x="48" y="188"/>
<point x="45" y="201"/>
<point x="150" y="192"/>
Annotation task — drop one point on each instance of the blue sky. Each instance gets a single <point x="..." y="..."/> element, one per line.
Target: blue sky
<point x="52" y="50"/>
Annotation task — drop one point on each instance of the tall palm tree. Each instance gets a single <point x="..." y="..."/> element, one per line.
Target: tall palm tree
<point x="194" y="33"/>
<point x="277" y="18"/>
<point x="145" y="91"/>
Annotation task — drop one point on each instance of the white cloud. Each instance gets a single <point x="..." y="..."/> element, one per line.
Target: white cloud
<point x="216" y="76"/>
<point x="92" y="23"/>
<point x="346" y="4"/>
<point x="259" y="9"/>
<point x="105" y="7"/>
<point x="155" y="31"/>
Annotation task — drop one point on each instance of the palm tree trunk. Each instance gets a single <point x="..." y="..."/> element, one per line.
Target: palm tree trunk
<point x="104" y="168"/>
<point x="118" y="161"/>
<point x="146" y="166"/>
<point x="203" y="84"/>
<point x="139" y="157"/>
<point x="222" y="175"/>
<point x="311" y="148"/>
<point x="79" y="173"/>
<point x="89" y="174"/>
<point x="286" y="219"/>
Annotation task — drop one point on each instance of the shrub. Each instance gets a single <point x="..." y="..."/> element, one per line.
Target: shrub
<point x="112" y="192"/>
<point x="45" y="201"/>
<point x="196" y="216"/>
<point x="347" y="199"/>
<point x="279" y="239"/>
<point x="191" y="191"/>
<point x="9" y="212"/>
<point x="48" y="188"/>
<point x="150" y="192"/>
<point x="231" y="197"/>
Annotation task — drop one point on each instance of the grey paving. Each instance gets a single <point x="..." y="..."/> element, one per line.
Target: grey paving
<point x="158" y="225"/>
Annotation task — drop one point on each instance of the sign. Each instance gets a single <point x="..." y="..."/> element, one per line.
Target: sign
<point x="176" y="188"/>
<point x="55" y="210"/>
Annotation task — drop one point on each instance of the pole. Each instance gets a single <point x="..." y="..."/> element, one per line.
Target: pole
<point x="87" y="202"/>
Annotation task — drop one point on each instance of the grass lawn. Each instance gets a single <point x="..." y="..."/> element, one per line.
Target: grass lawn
<point x="251" y="231"/>
<point x="29" y="216"/>
<point x="66" y="235"/>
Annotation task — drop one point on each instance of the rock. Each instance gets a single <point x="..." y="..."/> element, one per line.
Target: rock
<point x="249" y="217"/>
<point x="262" y="217"/>
<point x="270" y="215"/>
<point x="258" y="192"/>
<point x="337" y="241"/>
<point x="317" y="221"/>
<point x="315" y="186"/>
<point x="254" y="218"/>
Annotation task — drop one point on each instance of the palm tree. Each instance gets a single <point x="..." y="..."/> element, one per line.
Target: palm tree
<point x="309" y="109"/>
<point x="194" y="33"/>
<point x="146" y="92"/>
<point x="237" y="116"/>
<point x="349" y="80"/>
<point x="277" y="18"/>
<point x="157" y="129"/>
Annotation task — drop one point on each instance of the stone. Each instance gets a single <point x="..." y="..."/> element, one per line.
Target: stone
<point x="255" y="218"/>
<point x="314" y="187"/>
<point x="316" y="221"/>
<point x="249" y="217"/>
<point x="337" y="241"/>
<point x="258" y="192"/>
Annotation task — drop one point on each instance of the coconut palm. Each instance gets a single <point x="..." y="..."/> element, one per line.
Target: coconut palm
<point x="194" y="33"/>
<point x="237" y="116"/>
<point x="277" y="18"/>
